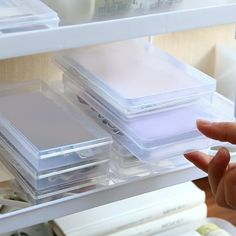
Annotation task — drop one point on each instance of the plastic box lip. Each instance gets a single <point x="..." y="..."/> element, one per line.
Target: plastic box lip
<point x="31" y="13"/>
<point x="70" y="66"/>
<point x="99" y="138"/>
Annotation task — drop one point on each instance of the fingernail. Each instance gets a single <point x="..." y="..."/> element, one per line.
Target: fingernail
<point x="203" y="122"/>
<point x="217" y="157"/>
<point x="221" y="154"/>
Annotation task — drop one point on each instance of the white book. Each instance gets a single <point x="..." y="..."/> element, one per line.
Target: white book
<point x="130" y="212"/>
<point x="169" y="222"/>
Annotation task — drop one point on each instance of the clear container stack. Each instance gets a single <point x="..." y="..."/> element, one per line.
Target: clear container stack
<point x="52" y="148"/>
<point x="148" y="100"/>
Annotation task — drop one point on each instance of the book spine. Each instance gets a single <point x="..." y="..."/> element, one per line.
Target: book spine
<point x="156" y="211"/>
<point x="169" y="222"/>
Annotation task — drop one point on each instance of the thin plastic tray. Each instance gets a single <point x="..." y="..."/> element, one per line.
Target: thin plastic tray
<point x="134" y="77"/>
<point x="155" y="137"/>
<point x="24" y="15"/>
<point x="46" y="129"/>
<point x="82" y="171"/>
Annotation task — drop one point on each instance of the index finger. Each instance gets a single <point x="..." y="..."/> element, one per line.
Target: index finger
<point x="222" y="131"/>
<point x="199" y="159"/>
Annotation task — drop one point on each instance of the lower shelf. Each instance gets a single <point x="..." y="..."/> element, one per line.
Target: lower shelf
<point x="72" y="204"/>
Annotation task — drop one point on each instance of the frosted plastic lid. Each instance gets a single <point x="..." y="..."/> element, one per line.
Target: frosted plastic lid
<point x="42" y="125"/>
<point x="25" y="14"/>
<point x="134" y="76"/>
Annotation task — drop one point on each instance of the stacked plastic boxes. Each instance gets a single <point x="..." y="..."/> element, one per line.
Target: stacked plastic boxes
<point x="25" y="15"/>
<point x="48" y="144"/>
<point x="146" y="99"/>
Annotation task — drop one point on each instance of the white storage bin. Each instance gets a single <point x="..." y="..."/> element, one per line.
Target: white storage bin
<point x="26" y="15"/>
<point x="46" y="129"/>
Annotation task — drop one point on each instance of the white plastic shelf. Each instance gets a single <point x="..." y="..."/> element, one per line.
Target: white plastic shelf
<point x="186" y="14"/>
<point x="69" y="205"/>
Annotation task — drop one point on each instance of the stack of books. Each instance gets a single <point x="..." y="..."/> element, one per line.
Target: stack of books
<point x="146" y="214"/>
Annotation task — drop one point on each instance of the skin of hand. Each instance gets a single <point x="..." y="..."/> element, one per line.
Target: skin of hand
<point x="221" y="173"/>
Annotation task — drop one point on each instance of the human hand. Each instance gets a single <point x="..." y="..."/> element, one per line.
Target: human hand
<point x="221" y="173"/>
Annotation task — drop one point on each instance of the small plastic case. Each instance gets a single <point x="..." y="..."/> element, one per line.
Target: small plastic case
<point x="153" y="137"/>
<point x="36" y="196"/>
<point x="133" y="78"/>
<point x="26" y="15"/>
<point x="46" y="129"/>
<point x="82" y="171"/>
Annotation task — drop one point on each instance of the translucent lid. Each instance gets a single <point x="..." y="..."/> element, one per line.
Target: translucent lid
<point x="42" y="124"/>
<point x="134" y="76"/>
<point x="25" y="13"/>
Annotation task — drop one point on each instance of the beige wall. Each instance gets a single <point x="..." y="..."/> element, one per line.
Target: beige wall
<point x="195" y="47"/>
<point x="30" y="67"/>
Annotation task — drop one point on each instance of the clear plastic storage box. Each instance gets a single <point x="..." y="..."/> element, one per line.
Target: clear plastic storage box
<point x="85" y="170"/>
<point x="25" y="15"/>
<point x="153" y="137"/>
<point x="36" y="196"/>
<point x="46" y="129"/>
<point x="134" y="78"/>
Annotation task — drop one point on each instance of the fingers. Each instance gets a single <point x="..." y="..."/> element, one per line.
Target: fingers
<point x="230" y="188"/>
<point x="220" y="194"/>
<point x="217" y="167"/>
<point x="222" y="131"/>
<point x="199" y="159"/>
